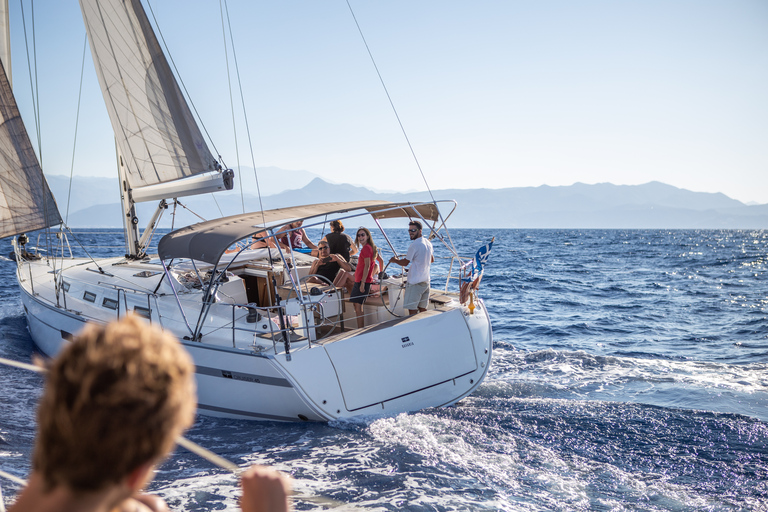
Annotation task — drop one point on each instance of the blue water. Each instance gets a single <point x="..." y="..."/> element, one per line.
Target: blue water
<point x="629" y="373"/>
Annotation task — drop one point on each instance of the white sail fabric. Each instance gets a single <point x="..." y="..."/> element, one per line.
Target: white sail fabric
<point x="155" y="131"/>
<point x="26" y="202"/>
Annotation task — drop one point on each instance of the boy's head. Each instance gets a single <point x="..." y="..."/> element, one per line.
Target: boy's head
<point x="115" y="398"/>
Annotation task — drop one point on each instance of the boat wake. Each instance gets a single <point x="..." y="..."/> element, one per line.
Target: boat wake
<point x="694" y="385"/>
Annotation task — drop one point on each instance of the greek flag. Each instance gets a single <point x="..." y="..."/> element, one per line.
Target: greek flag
<point x="474" y="268"/>
<point x="481" y="258"/>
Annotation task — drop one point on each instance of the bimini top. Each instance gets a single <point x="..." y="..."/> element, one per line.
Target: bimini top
<point x="207" y="241"/>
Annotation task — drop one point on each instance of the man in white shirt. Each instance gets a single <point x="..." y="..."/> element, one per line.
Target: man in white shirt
<point x="420" y="255"/>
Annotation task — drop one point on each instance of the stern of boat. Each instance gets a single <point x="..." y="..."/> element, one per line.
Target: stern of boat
<point x="431" y="359"/>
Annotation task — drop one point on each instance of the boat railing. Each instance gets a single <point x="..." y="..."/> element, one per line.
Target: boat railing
<point x="279" y="325"/>
<point x="456" y="265"/>
<point x="463" y="262"/>
<point x="59" y="247"/>
<point x="151" y="314"/>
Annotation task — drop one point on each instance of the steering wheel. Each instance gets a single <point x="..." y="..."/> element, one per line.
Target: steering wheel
<point x="304" y="284"/>
<point x="321" y="288"/>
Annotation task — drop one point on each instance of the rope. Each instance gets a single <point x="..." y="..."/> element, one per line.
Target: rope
<point x="213" y="458"/>
<point x="190" y="211"/>
<point x="84" y="249"/>
<point x="24" y="366"/>
<point x="13" y="478"/>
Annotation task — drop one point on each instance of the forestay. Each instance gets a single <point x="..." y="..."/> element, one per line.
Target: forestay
<point x="26" y="202"/>
<point x="155" y="131"/>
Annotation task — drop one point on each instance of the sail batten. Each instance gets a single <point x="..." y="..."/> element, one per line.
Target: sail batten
<point x="26" y="201"/>
<point x="154" y="127"/>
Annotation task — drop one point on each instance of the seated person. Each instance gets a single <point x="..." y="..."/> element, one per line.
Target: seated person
<point x="262" y="240"/>
<point x="327" y="265"/>
<point x="292" y="234"/>
<point x="340" y="242"/>
<point x="259" y="240"/>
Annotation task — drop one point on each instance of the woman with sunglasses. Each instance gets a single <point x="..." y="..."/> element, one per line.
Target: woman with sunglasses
<point x="327" y="264"/>
<point x="364" y="272"/>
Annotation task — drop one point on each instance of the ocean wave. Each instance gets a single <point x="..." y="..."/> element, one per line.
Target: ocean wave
<point x="738" y="389"/>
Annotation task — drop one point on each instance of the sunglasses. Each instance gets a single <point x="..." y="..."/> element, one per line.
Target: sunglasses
<point x="361" y="234"/>
<point x="413" y="230"/>
<point x="323" y="248"/>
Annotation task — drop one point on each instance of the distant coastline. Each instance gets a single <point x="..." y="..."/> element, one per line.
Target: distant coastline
<point x="654" y="205"/>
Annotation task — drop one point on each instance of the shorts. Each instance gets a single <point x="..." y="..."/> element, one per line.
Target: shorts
<point x="416" y="296"/>
<point x="358" y="296"/>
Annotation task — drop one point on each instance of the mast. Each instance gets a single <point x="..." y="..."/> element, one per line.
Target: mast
<point x="128" y="209"/>
<point x="5" y="39"/>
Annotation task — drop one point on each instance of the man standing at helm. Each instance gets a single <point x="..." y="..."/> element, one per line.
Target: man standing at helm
<point x="419" y="256"/>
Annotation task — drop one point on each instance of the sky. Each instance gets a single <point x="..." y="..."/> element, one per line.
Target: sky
<point x="486" y="94"/>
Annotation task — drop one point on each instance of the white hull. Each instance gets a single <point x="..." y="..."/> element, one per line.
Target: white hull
<point x="404" y="364"/>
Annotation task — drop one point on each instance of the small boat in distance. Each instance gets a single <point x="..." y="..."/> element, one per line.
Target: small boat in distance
<point x="268" y="342"/>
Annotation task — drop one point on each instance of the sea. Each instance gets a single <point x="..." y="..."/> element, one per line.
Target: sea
<point x="629" y="373"/>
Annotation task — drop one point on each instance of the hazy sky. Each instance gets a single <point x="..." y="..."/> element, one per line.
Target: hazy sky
<point x="492" y="94"/>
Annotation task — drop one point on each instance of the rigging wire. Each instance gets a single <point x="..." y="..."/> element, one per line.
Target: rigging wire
<point x="399" y="122"/>
<point x="32" y="82"/>
<point x="245" y="114"/>
<point x="84" y="249"/>
<point x="35" y="89"/>
<point x="231" y="103"/>
<point x="77" y="123"/>
<point x="391" y="103"/>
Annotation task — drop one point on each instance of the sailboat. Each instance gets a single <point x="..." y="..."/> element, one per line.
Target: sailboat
<point x="268" y="340"/>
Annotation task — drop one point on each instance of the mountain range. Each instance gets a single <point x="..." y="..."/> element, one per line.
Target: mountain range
<point x="95" y="204"/>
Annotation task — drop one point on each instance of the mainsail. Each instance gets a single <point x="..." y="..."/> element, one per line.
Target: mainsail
<point x="154" y="127"/>
<point x="26" y="202"/>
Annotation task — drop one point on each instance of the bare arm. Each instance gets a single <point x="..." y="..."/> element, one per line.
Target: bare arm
<point x="366" y="269"/>
<point x="403" y="262"/>
<point x="143" y="503"/>
<point x="265" y="490"/>
<point x="342" y="262"/>
<point x="306" y="239"/>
